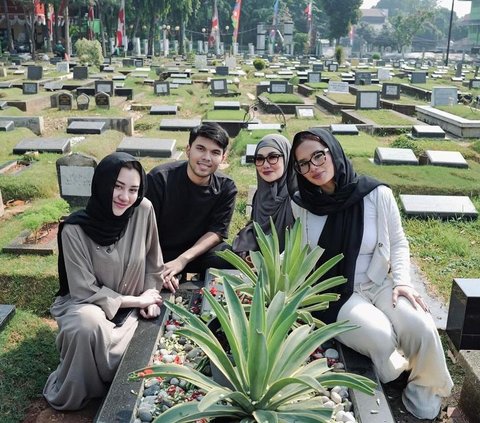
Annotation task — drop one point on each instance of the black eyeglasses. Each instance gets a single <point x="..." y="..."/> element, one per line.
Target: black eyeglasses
<point x="318" y="158"/>
<point x="271" y="159"/>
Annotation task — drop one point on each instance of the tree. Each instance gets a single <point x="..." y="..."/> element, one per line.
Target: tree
<point x="341" y="14"/>
<point x="396" y="7"/>
<point x="404" y="27"/>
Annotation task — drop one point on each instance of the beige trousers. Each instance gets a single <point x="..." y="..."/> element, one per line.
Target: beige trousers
<point x="397" y="339"/>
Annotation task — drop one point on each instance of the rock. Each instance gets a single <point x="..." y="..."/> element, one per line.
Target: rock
<point x="336" y="398"/>
<point x="193" y="353"/>
<point x="145" y="415"/>
<point x="152" y="390"/>
<point x="339" y="416"/>
<point x="339" y="366"/>
<point x="332" y="354"/>
<point x="171" y="328"/>
<point x="348" y="417"/>
<point x="174" y="381"/>
<point x="151" y="382"/>
<point x="168" y="358"/>
<point x="329" y="404"/>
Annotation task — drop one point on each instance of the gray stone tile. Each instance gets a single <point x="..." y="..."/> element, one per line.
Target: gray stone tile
<point x="152" y="147"/>
<point x="395" y="156"/>
<point x="86" y="127"/>
<point x="446" y="158"/>
<point x="179" y="124"/>
<point x="43" y="145"/>
<point x="442" y="206"/>
<point x="427" y="131"/>
<point x="158" y="109"/>
<point x="343" y="129"/>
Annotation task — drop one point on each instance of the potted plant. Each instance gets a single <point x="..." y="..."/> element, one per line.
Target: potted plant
<point x="270" y="377"/>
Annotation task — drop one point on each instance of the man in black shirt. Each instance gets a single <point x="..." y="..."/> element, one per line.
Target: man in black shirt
<point x="193" y="204"/>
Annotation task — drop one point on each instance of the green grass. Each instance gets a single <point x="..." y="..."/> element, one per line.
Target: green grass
<point x="27" y="356"/>
<point x="462" y="111"/>
<point x="284" y="98"/>
<point x="385" y="117"/>
<point x="317" y="85"/>
<point x="225" y="115"/>
<point x="342" y="98"/>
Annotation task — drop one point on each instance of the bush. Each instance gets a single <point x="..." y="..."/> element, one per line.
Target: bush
<point x="259" y="64"/>
<point x="89" y="51"/>
<point x="339" y="54"/>
<point x="376" y="56"/>
<point x="404" y="142"/>
<point x="476" y="146"/>
<point x="49" y="212"/>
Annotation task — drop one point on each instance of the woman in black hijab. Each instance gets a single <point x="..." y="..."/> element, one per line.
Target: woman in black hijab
<point x="343" y="212"/>
<point x="110" y="267"/>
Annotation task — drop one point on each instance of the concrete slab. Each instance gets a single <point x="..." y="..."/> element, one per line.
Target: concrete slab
<point x="86" y="127"/>
<point x="395" y="156"/>
<point x="446" y="158"/>
<point x="151" y="147"/>
<point x="179" y="124"/>
<point x="43" y="145"/>
<point x="438" y="206"/>
<point x="6" y="125"/>
<point x="163" y="109"/>
<point x="226" y="105"/>
<point x="343" y="129"/>
<point x="427" y="131"/>
<point x="264" y="126"/>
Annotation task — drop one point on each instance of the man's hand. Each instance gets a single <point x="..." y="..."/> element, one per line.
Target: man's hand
<point x="170" y="272"/>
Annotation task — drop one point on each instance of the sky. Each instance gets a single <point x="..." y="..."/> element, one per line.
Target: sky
<point x="460" y="7"/>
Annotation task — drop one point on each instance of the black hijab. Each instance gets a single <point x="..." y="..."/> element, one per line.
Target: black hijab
<point x="97" y="219"/>
<point x="343" y="230"/>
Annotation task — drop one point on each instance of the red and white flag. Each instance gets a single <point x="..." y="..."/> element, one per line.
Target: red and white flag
<point x="121" y="26"/>
<point x="308" y="11"/>
<point x="215" y="33"/>
<point x="91" y="17"/>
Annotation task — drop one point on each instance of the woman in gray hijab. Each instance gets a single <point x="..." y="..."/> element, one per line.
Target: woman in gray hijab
<point x="271" y="198"/>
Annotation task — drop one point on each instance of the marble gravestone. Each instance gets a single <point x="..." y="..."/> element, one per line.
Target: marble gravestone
<point x="305" y="112"/>
<point x="446" y="158"/>
<point x="218" y="87"/>
<point x="395" y="156"/>
<point x="161" y="87"/>
<point x="65" y="101"/>
<point x="30" y="88"/>
<point x="438" y="206"/>
<point x="74" y="174"/>
<point x="63" y="67"/>
<point x="43" y="145"/>
<point x="338" y="87"/>
<point x="34" y="73"/>
<point x="80" y="72"/>
<point x="150" y="147"/>
<point x="105" y="87"/>
<point x="444" y="96"/>
<point x="314" y="77"/>
<point x="363" y="78"/>
<point x="390" y="91"/>
<point x="278" y="87"/>
<point x="367" y="100"/>
<point x="102" y="100"/>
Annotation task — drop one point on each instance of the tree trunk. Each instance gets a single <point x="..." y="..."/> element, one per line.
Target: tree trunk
<point x="102" y="32"/>
<point x="67" y="30"/>
<point x="151" y="34"/>
<point x="9" y="29"/>
<point x="181" y="41"/>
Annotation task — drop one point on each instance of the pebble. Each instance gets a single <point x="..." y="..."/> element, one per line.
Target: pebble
<point x="336" y="397"/>
<point x="174" y="381"/>
<point x="332" y="354"/>
<point x="193" y="353"/>
<point x="329" y="404"/>
<point x="145" y="415"/>
<point x="152" y="390"/>
<point x="168" y="358"/>
<point x="349" y="418"/>
<point x="151" y="382"/>
<point x="339" y="366"/>
<point x="171" y="328"/>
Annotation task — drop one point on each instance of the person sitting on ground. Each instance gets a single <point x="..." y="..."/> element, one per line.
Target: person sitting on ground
<point x="110" y="270"/>
<point x="193" y="205"/>
<point x="60" y="50"/>
<point x="271" y="198"/>
<point x="343" y="212"/>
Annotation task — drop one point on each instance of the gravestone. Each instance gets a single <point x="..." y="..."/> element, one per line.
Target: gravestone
<point x="83" y="101"/>
<point x="390" y="91"/>
<point x="438" y="206"/>
<point x="363" y="78"/>
<point x="160" y="109"/>
<point x="384" y="74"/>
<point x="63" y="67"/>
<point x="3" y="72"/>
<point x="255" y="126"/>
<point x="7" y="125"/>
<point x="317" y="67"/>
<point x="226" y="105"/>
<point x="444" y="96"/>
<point x="250" y="153"/>
<point x="43" y="145"/>
<point x="343" y="129"/>
<point x="418" y="78"/>
<point x="314" y="77"/>
<point x="221" y="70"/>
<point x="30" y="88"/>
<point x="338" y="87"/>
<point x="64" y="101"/>
<point x="305" y="112"/>
<point x="278" y="87"/>
<point x="474" y="84"/>
<point x="5" y="84"/>
<point x="458" y="70"/>
<point x="138" y="62"/>
<point x="368" y="100"/>
<point x="161" y="87"/>
<point x="34" y="73"/>
<point x="74" y="175"/>
<point x="128" y="63"/>
<point x="102" y="100"/>
<point x="200" y="61"/>
<point x="446" y="158"/>
<point x="53" y="86"/>
<point x="427" y="131"/>
<point x="218" y="87"/>
<point x="179" y="124"/>
<point x="151" y="147"/>
<point x="3" y="105"/>
<point x="86" y="127"/>
<point x="333" y="67"/>
<point x="395" y="156"/>
<point x="80" y="72"/>
<point x="104" y="86"/>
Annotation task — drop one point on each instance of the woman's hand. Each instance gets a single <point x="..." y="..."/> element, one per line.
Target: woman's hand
<point x="411" y="294"/>
<point x="148" y="298"/>
<point x="150" y="312"/>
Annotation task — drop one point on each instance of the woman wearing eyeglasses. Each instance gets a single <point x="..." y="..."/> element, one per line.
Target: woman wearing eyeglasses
<point x="271" y="198"/>
<point x="357" y="216"/>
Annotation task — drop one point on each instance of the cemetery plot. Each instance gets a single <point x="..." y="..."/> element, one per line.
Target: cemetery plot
<point x="43" y="145"/>
<point x="86" y="127"/>
<point x="446" y="158"/>
<point x="427" y="131"/>
<point x="395" y="156"/>
<point x="157" y="109"/>
<point x="179" y="124"/>
<point x="441" y="206"/>
<point x="152" y="147"/>
<point x="343" y="129"/>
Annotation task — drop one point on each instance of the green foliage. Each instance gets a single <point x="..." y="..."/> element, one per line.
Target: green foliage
<point x="259" y="64"/>
<point x="376" y="56"/>
<point x="476" y="146"/>
<point x="341" y="15"/>
<point x="269" y="375"/>
<point x="405" y="26"/>
<point x="403" y="141"/>
<point x="89" y="51"/>
<point x="284" y="98"/>
<point x="339" y="54"/>
<point x="49" y="212"/>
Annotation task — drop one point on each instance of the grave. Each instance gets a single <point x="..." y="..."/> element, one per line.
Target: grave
<point x="314" y="77"/>
<point x="338" y="87"/>
<point x="363" y="78"/>
<point x="438" y="206"/>
<point x="333" y="67"/>
<point x="446" y="158"/>
<point x="265" y="127"/>
<point x="159" y="109"/>
<point x="128" y="63"/>
<point x="6" y="313"/>
<point x="390" y="91"/>
<point x="83" y="101"/>
<point x="102" y="100"/>
<point x="444" y="96"/>
<point x="80" y="72"/>
<point x="343" y="129"/>
<point x="179" y="124"/>
<point x="104" y="86"/>
<point x="218" y="87"/>
<point x="161" y="87"/>
<point x="418" y="78"/>
<point x="53" y="86"/>
<point x="86" y="127"/>
<point x="394" y="156"/>
<point x="226" y="105"/>
<point x="317" y="67"/>
<point x="427" y="131"/>
<point x="250" y="153"/>
<point x="221" y="70"/>
<point x="34" y="73"/>
<point x="474" y="84"/>
<point x="151" y="147"/>
<point x="305" y="112"/>
<point x="384" y="74"/>
<point x="30" y="88"/>
<point x="3" y="105"/>
<point x="64" y="101"/>
<point x="43" y="145"/>
<point x="7" y="125"/>
<point x="464" y="314"/>
<point x="367" y="100"/>
<point x="63" y="67"/>
<point x="278" y="87"/>
<point x="5" y="84"/>
<point x="74" y="174"/>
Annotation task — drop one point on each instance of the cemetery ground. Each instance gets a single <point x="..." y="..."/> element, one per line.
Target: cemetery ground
<point x="442" y="249"/>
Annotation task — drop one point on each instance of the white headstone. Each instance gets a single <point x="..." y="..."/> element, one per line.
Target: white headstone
<point x="63" y="67"/>
<point x="444" y="96"/>
<point x="231" y="62"/>
<point x="200" y="61"/>
<point x="384" y="74"/>
<point x="337" y="87"/>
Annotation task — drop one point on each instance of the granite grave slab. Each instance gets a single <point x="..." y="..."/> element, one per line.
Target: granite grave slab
<point x="151" y="147"/>
<point x="446" y="158"/>
<point x="226" y="105"/>
<point x="395" y="156"/>
<point x="86" y="127"/>
<point x="43" y="145"/>
<point x="427" y="131"/>
<point x="438" y="206"/>
<point x="179" y="124"/>
<point x="343" y="129"/>
<point x="160" y="109"/>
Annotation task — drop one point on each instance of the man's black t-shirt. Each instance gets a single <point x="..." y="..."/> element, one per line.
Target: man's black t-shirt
<point x="186" y="211"/>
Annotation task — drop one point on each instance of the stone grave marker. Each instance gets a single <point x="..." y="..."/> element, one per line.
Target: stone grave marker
<point x="384" y="74"/>
<point x="138" y="62"/>
<point x="368" y="100"/>
<point x="160" y="109"/>
<point x="226" y="105"/>
<point x="343" y="129"/>
<point x="444" y="96"/>
<point x="427" y="131"/>
<point x="317" y="67"/>
<point x="80" y="72"/>
<point x="446" y="158"/>
<point x="74" y="174"/>
<point x="441" y="206"/>
<point x="338" y="87"/>
<point x="161" y="87"/>
<point x="255" y="126"/>
<point x="102" y="100"/>
<point x="231" y="63"/>
<point x="65" y="101"/>
<point x="5" y="84"/>
<point x="458" y="70"/>
<point x="221" y="70"/>
<point x="380" y="63"/>
<point x="63" y="67"/>
<point x="128" y="63"/>
<point x="363" y="78"/>
<point x="3" y="72"/>
<point x="418" y="78"/>
<point x="278" y="87"/>
<point x="305" y="112"/>
<point x="30" y="88"/>
<point x="474" y="83"/>
<point x="151" y="147"/>
<point x="390" y="91"/>
<point x="53" y="86"/>
<point x="328" y="62"/>
<point x="43" y="145"/>
<point x="104" y="86"/>
<point x="218" y="87"/>
<point x="179" y="124"/>
<point x="395" y="156"/>
<point x="34" y="73"/>
<point x="83" y="101"/>
<point x="250" y="153"/>
<point x="333" y="67"/>
<point x="3" y="104"/>
<point x="314" y="77"/>
<point x="200" y="61"/>
<point x="2" y="207"/>
<point x="7" y="125"/>
<point x="86" y="127"/>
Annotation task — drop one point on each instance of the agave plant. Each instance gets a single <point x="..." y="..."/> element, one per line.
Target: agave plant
<point x="289" y="272"/>
<point x="271" y="378"/>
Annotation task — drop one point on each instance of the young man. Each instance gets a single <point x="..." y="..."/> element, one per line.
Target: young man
<point x="193" y="204"/>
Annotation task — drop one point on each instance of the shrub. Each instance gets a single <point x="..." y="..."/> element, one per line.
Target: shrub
<point x="404" y="142"/>
<point x="89" y="51"/>
<point x="259" y="64"/>
<point x="376" y="56"/>
<point x="476" y="146"/>
<point x="339" y="54"/>
<point x="50" y="212"/>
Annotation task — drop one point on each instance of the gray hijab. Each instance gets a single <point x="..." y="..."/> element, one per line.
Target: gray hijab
<point x="271" y="199"/>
